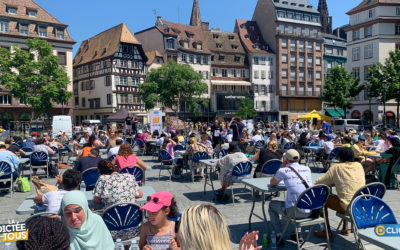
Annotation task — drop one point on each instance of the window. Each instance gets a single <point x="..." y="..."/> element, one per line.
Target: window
<point x="256" y="74"/>
<point x="218" y="45"/>
<point x="318" y="90"/>
<point x="263" y="74"/>
<point x="31" y="13"/>
<point x="62" y="58"/>
<point x="328" y="50"/>
<point x="107" y="81"/>
<point x="284" y="89"/>
<point x="368" y="31"/>
<point x="237" y="59"/>
<point x="318" y="46"/>
<point x="356" y="72"/>
<point x="60" y="33"/>
<point x="170" y="44"/>
<point x="281" y="28"/>
<point x="293" y="89"/>
<point x="310" y="75"/>
<point x="183" y="57"/>
<point x="12" y="10"/>
<point x="233" y="72"/>
<point x="23" y="29"/>
<point x="191" y="58"/>
<point x="293" y="75"/>
<point x="284" y="58"/>
<point x="315" y="19"/>
<point x="224" y="73"/>
<point x="76" y="101"/>
<point x="198" y="59"/>
<point x="397" y="29"/>
<point x="318" y="75"/>
<point x="397" y="11"/>
<point x="221" y="58"/>
<point x="298" y="31"/>
<point x="284" y="73"/>
<point x="368" y="53"/>
<point x="366" y="72"/>
<point x="299" y="16"/>
<point x="108" y="99"/>
<point x="215" y="36"/>
<point x="290" y="15"/>
<point x="214" y="72"/>
<point x="284" y="43"/>
<point x="356" y="54"/>
<point x="281" y="14"/>
<point x="307" y="32"/>
<point x="290" y="29"/>
<point x="293" y="45"/>
<point x="3" y="26"/>
<point x="83" y="102"/>
<point x="293" y="60"/>
<point x="255" y="88"/>
<point x="42" y="30"/>
<point x="309" y="89"/>
<point x="301" y="75"/>
<point x="5" y="99"/>
<point x="205" y="59"/>
<point x="301" y="46"/>
<point x="301" y="60"/>
<point x="310" y="47"/>
<point x="256" y="61"/>
<point x="318" y="60"/>
<point x="371" y="13"/>
<point x="356" y="35"/>
<point x="397" y="46"/>
<point x="262" y="90"/>
<point x="310" y="61"/>
<point x="234" y="47"/>
<point x="123" y="80"/>
<point x="270" y="74"/>
<point x="306" y="18"/>
<point x="263" y="60"/>
<point x="315" y="32"/>
<point x="243" y="73"/>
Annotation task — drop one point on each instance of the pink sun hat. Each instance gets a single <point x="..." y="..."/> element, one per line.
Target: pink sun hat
<point x="157" y="201"/>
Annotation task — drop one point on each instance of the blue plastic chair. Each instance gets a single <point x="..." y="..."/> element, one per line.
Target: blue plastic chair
<point x="369" y="211"/>
<point x="259" y="144"/>
<point x="240" y="171"/>
<point x="271" y="166"/>
<point x="377" y="189"/>
<point x="179" y="148"/>
<point x="6" y="175"/>
<point x="135" y="171"/>
<point x="332" y="157"/>
<point x="223" y="153"/>
<point x="166" y="163"/>
<point x="142" y="146"/>
<point x="289" y="145"/>
<point x="111" y="158"/>
<point x="312" y="198"/>
<point x="123" y="220"/>
<point x="90" y="177"/>
<point x="26" y="149"/>
<point x="40" y="160"/>
<point x="197" y="157"/>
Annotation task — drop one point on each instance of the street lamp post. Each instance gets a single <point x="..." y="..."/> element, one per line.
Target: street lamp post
<point x="384" y="104"/>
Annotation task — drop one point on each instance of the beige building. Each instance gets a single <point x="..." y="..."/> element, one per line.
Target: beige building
<point x="23" y="19"/>
<point x="108" y="69"/>
<point x="373" y="31"/>
<point x="292" y="29"/>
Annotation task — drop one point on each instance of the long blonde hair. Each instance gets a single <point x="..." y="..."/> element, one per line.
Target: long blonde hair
<point x="203" y="227"/>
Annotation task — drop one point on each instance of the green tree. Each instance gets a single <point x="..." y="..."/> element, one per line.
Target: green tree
<point x="384" y="81"/>
<point x="174" y="85"/>
<point x="340" y="88"/>
<point x="34" y="76"/>
<point x="246" y="109"/>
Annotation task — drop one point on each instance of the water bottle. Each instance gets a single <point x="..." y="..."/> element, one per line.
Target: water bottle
<point x="7" y="246"/>
<point x="273" y="240"/>
<point x="265" y="240"/>
<point x="119" y="245"/>
<point x="83" y="186"/>
<point x="134" y="245"/>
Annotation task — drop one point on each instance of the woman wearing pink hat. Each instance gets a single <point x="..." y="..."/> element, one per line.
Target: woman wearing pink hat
<point x="159" y="232"/>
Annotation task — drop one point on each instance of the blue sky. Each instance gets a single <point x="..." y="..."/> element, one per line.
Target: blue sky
<point x="87" y="18"/>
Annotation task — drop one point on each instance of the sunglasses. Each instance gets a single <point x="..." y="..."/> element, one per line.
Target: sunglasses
<point x="155" y="199"/>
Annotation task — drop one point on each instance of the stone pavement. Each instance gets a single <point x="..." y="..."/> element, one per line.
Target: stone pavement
<point x="188" y="193"/>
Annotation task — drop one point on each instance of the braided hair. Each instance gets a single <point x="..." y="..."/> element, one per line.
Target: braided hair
<point x="45" y="233"/>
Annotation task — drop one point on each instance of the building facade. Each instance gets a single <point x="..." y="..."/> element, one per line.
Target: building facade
<point x="373" y="31"/>
<point x="292" y="29"/>
<point x="21" y="20"/>
<point x="108" y="69"/>
<point x="262" y="69"/>
<point x="335" y="52"/>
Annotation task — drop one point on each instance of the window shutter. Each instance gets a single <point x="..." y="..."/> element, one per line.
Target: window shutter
<point x="116" y="80"/>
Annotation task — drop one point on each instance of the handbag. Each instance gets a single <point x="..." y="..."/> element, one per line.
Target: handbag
<point x="39" y="184"/>
<point x="241" y="140"/>
<point x="23" y="185"/>
<point x="315" y="213"/>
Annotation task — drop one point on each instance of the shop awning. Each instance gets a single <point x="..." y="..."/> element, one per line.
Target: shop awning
<point x="335" y="112"/>
<point x="231" y="83"/>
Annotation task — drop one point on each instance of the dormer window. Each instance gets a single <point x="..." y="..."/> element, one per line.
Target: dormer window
<point x="247" y="36"/>
<point x="243" y="26"/>
<point x="60" y="33"/>
<point x="170" y="43"/>
<point x="252" y="28"/>
<point x="104" y="51"/>
<point x="257" y="38"/>
<point x="186" y="45"/>
<point x="215" y="36"/>
<point x="31" y="13"/>
<point x="199" y="46"/>
<point x="293" y="4"/>
<point x="234" y="47"/>
<point x="231" y="37"/>
<point x="12" y="10"/>
<point x="23" y="29"/>
<point x="284" y="2"/>
<point x="219" y="46"/>
<point x="3" y="26"/>
<point x="42" y="31"/>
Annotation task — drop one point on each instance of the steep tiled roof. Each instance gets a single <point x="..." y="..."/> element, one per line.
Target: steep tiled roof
<point x="193" y="34"/>
<point x="251" y="37"/>
<point x="366" y="4"/>
<point x="151" y="55"/>
<point x="300" y="5"/>
<point x="104" y="44"/>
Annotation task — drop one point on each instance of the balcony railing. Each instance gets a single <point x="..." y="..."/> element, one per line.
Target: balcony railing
<point x="300" y="93"/>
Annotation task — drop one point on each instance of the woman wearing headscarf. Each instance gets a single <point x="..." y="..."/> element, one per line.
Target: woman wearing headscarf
<point x="86" y="229"/>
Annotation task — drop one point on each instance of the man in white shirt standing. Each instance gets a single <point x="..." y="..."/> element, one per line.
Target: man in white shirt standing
<point x="70" y="180"/>
<point x="294" y="188"/>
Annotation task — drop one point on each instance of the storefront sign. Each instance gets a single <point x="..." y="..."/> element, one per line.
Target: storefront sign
<point x="234" y="97"/>
<point x="155" y="120"/>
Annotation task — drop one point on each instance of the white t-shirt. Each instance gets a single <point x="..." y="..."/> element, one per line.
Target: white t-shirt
<point x="256" y="138"/>
<point x="293" y="183"/>
<point x="113" y="151"/>
<point x="53" y="199"/>
<point x="328" y="145"/>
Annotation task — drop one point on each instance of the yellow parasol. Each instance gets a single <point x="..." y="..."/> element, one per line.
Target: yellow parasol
<point x="314" y="114"/>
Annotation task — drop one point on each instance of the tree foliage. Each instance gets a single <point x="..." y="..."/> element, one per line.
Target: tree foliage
<point x="34" y="75"/>
<point x="246" y="109"/>
<point x="384" y="80"/>
<point x="173" y="85"/>
<point x="340" y="88"/>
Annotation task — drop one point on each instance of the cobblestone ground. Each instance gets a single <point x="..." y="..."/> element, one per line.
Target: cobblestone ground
<point x="188" y="193"/>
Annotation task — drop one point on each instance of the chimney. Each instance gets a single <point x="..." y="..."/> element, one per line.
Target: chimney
<point x="205" y="25"/>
